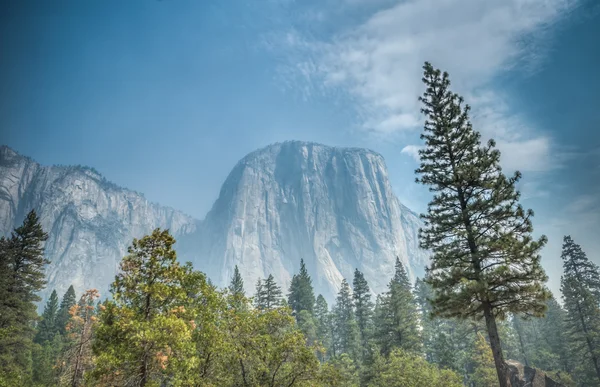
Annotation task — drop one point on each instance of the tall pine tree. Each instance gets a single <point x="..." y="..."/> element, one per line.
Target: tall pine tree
<point x="323" y="323"/>
<point x="301" y="295"/>
<point x="22" y="265"/>
<point x="485" y="262"/>
<point x="236" y="287"/>
<point x="396" y="316"/>
<point x="63" y="316"/>
<point x="268" y="294"/>
<point x="363" y="307"/>
<point x="580" y="285"/>
<point x="46" y="328"/>
<point x="346" y="339"/>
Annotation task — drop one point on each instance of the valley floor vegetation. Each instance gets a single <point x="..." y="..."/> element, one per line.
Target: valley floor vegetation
<point x="483" y="300"/>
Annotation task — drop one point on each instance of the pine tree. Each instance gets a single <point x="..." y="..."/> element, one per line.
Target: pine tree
<point x="580" y="286"/>
<point x="236" y="287"/>
<point x="22" y="265"/>
<point x="542" y="341"/>
<point x="46" y="329"/>
<point x="236" y="290"/>
<point x="268" y="294"/>
<point x="346" y="339"/>
<point x="397" y="318"/>
<point x="301" y="295"/>
<point x="68" y="300"/>
<point x="485" y="262"/>
<point x="363" y="307"/>
<point x="323" y="323"/>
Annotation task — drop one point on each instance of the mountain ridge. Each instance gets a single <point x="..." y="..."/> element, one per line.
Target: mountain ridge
<point x="332" y="206"/>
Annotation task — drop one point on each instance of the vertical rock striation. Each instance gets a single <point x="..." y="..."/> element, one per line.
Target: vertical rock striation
<point x="333" y="207"/>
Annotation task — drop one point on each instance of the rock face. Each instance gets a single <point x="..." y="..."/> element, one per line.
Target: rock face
<point x="333" y="207"/>
<point x="90" y="221"/>
<point x="524" y="376"/>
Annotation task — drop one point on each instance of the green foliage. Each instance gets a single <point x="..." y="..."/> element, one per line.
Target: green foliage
<point x="396" y="316"/>
<point x="324" y="327"/>
<point x="402" y="369"/>
<point x="446" y="342"/>
<point x="44" y="359"/>
<point x="22" y="265"/>
<point x="346" y="334"/>
<point x="236" y="290"/>
<point x="542" y="341"/>
<point x="580" y="286"/>
<point x="485" y="262"/>
<point x="145" y="333"/>
<point x="63" y="316"/>
<point x="236" y="287"/>
<point x="301" y="295"/>
<point x="267" y="349"/>
<point x="363" y="307"/>
<point x="268" y="294"/>
<point x="485" y="373"/>
<point x="47" y="327"/>
<point x="341" y="371"/>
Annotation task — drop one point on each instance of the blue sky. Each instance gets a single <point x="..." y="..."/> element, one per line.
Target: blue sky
<point x="164" y="97"/>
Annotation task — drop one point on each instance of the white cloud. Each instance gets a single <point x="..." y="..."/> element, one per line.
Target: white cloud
<point x="378" y="64"/>
<point x="412" y="151"/>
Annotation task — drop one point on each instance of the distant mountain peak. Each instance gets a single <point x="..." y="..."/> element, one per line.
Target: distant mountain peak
<point x="332" y="206"/>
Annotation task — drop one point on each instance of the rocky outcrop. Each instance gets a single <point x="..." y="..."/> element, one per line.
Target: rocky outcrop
<point x="333" y="207"/>
<point x="524" y="376"/>
<point x="90" y="221"/>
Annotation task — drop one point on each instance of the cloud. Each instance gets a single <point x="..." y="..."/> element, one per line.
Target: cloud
<point x="378" y="61"/>
<point x="412" y="151"/>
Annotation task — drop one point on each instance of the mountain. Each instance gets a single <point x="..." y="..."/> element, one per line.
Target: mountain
<point x="90" y="221"/>
<point x="332" y="207"/>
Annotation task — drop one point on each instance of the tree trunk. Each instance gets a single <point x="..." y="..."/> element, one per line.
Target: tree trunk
<point x="501" y="368"/>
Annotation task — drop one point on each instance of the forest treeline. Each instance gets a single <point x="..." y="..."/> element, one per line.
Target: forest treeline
<point x="482" y="301"/>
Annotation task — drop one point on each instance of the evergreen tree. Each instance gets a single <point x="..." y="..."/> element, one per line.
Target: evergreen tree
<point x="22" y="276"/>
<point x="69" y="299"/>
<point x="580" y="287"/>
<point x="301" y="295"/>
<point x="236" y="287"/>
<point x="485" y="262"/>
<point x="346" y="337"/>
<point x="323" y="326"/>
<point x="397" y="319"/>
<point x="363" y="307"/>
<point x="268" y="294"/>
<point x="145" y="334"/>
<point x="46" y="329"/>
<point x="542" y="341"/>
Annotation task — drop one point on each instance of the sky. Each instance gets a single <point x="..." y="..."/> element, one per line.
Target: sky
<point x="164" y="97"/>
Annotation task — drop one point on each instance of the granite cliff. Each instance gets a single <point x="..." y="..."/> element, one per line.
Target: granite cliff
<point x="333" y="207"/>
